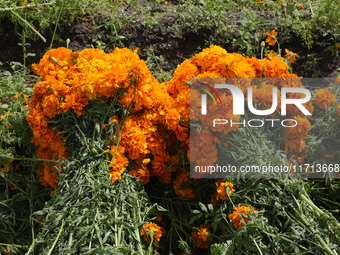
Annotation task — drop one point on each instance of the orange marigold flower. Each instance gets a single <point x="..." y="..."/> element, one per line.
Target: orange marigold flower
<point x="54" y="63"/>
<point x="141" y="172"/>
<point x="118" y="164"/>
<point x="158" y="232"/>
<point x="159" y="217"/>
<point x="47" y="177"/>
<point x="203" y="150"/>
<point x="60" y="89"/>
<point x="264" y="95"/>
<point x="290" y="56"/>
<point x="300" y="130"/>
<point x="324" y="98"/>
<point x="5" y="169"/>
<point x="294" y="145"/>
<point x="337" y="80"/>
<point x="181" y="184"/>
<point x="50" y="105"/>
<point x="202" y="237"/>
<point x="275" y="68"/>
<point x="271" y="40"/>
<point x="338" y="46"/>
<point x="300" y="7"/>
<point x="134" y="138"/>
<point x="239" y="216"/>
<point x="213" y="199"/>
<point x="294" y="135"/>
<point x="161" y="166"/>
<point x="270" y="54"/>
<point x="222" y="189"/>
<point x="300" y="159"/>
<point x="75" y="102"/>
<point x="172" y="119"/>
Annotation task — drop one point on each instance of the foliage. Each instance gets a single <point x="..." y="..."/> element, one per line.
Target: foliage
<point x="20" y="191"/>
<point x="107" y="193"/>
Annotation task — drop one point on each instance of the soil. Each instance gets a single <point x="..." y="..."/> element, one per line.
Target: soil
<point x="315" y="62"/>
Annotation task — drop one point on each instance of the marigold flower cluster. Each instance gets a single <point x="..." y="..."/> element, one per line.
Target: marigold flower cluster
<point x="215" y="62"/>
<point x="70" y="80"/>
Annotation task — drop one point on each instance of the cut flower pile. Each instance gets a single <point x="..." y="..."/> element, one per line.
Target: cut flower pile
<point x="144" y="128"/>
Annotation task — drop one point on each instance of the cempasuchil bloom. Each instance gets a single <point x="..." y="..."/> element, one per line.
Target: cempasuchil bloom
<point x="222" y="189"/>
<point x="158" y="232"/>
<point x="75" y="102"/>
<point x="324" y="98"/>
<point x="239" y="216"/>
<point x="290" y="56"/>
<point x="271" y="40"/>
<point x="202" y="237"/>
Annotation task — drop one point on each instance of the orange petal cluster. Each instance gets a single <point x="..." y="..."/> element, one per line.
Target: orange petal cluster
<point x="222" y="189"/>
<point x="239" y="216"/>
<point x="181" y="185"/>
<point x="324" y="98"/>
<point x="294" y="135"/>
<point x="70" y="80"/>
<point x="271" y="40"/>
<point x="159" y="113"/>
<point x="158" y="232"/>
<point x="201" y="237"/>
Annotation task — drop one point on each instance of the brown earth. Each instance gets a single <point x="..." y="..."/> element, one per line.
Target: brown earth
<point x="173" y="46"/>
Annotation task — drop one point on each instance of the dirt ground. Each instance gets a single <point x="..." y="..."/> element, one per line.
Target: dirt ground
<point x="174" y="48"/>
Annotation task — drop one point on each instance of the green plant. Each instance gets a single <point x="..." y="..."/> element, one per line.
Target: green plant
<point x="20" y="191"/>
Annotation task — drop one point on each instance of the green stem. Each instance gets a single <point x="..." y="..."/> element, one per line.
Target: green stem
<point x="28" y="24"/>
<point x="55" y="241"/>
<point x="84" y="138"/>
<point x="116" y="228"/>
<point x="14" y="245"/>
<point x="258" y="248"/>
<point x="133" y="80"/>
<point x="321" y="241"/>
<point x="23" y="7"/>
<point x="317" y="209"/>
<point x="56" y="24"/>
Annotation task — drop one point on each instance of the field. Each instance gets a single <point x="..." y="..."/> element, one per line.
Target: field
<point x="102" y="127"/>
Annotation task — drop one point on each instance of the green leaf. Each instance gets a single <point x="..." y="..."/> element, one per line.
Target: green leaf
<point x="6" y="73"/>
<point x="99" y="234"/>
<point x="211" y="208"/>
<point x="193" y="219"/>
<point x="151" y="234"/>
<point x="203" y="207"/>
<point x="39" y="213"/>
